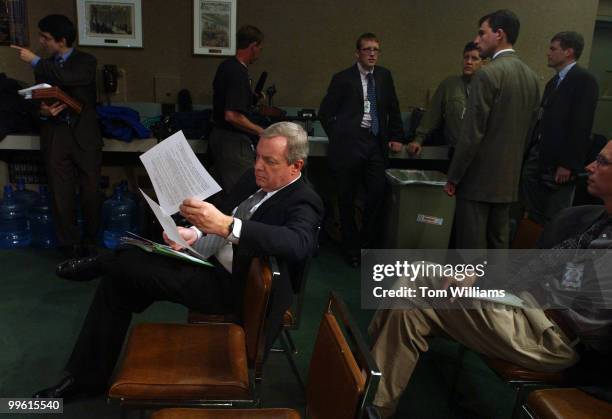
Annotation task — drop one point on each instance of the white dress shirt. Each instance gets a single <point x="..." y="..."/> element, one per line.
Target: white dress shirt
<point x="225" y="255"/>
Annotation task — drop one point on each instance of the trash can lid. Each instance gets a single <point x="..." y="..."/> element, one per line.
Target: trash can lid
<point x="416" y="177"/>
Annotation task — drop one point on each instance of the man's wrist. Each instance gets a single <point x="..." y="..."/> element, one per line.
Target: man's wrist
<point x="230" y="227"/>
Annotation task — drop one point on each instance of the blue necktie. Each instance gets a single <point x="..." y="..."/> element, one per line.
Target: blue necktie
<point x="372" y="100"/>
<point x="60" y="61"/>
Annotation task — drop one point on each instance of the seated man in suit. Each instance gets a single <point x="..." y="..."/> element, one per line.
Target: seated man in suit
<point x="271" y="211"/>
<point x="529" y="338"/>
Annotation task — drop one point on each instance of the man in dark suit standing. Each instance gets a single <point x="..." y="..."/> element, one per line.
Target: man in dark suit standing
<point x="362" y="119"/>
<point x="562" y="135"/>
<point x="71" y="143"/>
<point x="501" y="111"/>
<point x="272" y="211"/>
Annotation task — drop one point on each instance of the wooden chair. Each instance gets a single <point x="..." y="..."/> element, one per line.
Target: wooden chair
<point x="566" y="403"/>
<point x="199" y="364"/>
<point x="342" y="376"/>
<point x="291" y="318"/>
<point x="527" y="234"/>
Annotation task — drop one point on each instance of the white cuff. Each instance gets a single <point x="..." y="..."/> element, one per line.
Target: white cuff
<point x="234" y="236"/>
<point x="198" y="232"/>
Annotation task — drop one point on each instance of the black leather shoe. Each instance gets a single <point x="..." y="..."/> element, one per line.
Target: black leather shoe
<point x="68" y="389"/>
<point x="83" y="269"/>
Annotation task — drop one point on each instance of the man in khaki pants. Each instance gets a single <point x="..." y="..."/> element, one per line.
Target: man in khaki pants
<point x="526" y="337"/>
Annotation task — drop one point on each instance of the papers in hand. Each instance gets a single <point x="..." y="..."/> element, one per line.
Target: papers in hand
<point x="162" y="249"/>
<point x="176" y="173"/>
<point x="169" y="225"/>
<point x="27" y="92"/>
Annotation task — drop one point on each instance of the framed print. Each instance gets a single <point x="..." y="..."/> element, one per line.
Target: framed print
<point x="214" y="27"/>
<point x="110" y="23"/>
<point x="13" y="22"/>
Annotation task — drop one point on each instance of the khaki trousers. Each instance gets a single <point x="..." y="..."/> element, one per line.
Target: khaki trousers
<point x="525" y="337"/>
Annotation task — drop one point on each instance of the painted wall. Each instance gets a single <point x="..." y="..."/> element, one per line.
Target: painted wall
<point x="307" y="41"/>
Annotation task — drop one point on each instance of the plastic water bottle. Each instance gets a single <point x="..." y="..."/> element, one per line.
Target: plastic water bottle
<point x="25" y="197"/>
<point x="41" y="221"/>
<point x="14" y="230"/>
<point x="130" y="196"/>
<point x="117" y="215"/>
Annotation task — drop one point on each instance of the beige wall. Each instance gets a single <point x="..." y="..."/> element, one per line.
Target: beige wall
<point x="605" y="8"/>
<point x="307" y="41"/>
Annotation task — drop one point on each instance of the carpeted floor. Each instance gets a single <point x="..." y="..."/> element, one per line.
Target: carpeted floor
<point x="40" y="316"/>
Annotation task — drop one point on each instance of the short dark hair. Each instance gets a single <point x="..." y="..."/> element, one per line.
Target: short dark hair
<point x="248" y="34"/>
<point x="58" y="26"/>
<point x="570" y="39"/>
<point x="470" y="46"/>
<point x="505" y="20"/>
<point x="368" y="36"/>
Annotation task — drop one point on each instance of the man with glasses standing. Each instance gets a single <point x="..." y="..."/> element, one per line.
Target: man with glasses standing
<point x="70" y="142"/>
<point x="361" y="116"/>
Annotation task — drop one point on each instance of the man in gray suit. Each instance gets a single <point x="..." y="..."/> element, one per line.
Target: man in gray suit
<point x="502" y="109"/>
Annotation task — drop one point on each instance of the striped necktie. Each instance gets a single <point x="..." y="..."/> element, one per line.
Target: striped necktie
<point x="211" y="243"/>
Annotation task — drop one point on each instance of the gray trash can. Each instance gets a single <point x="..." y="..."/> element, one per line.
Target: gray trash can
<point x="420" y="213"/>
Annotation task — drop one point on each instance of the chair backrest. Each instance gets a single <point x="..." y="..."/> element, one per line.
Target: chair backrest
<point x="527" y="234"/>
<point x="343" y="376"/>
<point x="255" y="306"/>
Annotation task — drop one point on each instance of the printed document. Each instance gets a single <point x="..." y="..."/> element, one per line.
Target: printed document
<point x="177" y="174"/>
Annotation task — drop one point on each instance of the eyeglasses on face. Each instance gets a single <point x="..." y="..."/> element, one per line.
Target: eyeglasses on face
<point x="370" y="50"/>
<point x="601" y="160"/>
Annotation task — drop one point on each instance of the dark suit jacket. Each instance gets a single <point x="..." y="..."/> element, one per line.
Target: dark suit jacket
<point x="567" y="120"/>
<point x="284" y="226"/>
<point x="341" y="110"/>
<point x="77" y="78"/>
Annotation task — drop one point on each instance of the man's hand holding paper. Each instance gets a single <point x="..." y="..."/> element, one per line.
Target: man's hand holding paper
<point x="206" y="217"/>
<point x="187" y="234"/>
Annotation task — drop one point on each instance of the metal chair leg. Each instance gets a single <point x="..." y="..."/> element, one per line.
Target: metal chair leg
<point x="292" y="346"/>
<point x="294" y="368"/>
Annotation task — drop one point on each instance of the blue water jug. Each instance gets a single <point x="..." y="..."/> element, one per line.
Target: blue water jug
<point x="24" y="196"/>
<point x="41" y="221"/>
<point x="117" y="216"/>
<point x="14" y="230"/>
<point x="127" y="194"/>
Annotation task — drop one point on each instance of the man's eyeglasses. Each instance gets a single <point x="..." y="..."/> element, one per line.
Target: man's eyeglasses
<point x="370" y="50"/>
<point x="601" y="160"/>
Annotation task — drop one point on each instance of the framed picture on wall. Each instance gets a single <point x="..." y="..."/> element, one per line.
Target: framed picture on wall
<point x="214" y="27"/>
<point x="110" y="23"/>
<point x="13" y="22"/>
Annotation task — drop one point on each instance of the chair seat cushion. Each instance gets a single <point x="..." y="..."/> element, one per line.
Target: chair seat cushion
<point x="183" y="362"/>
<point x="197" y="317"/>
<point x="567" y="403"/>
<point x="513" y="372"/>
<point x="180" y="413"/>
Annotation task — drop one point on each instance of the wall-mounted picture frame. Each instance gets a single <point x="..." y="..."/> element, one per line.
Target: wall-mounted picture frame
<point x="110" y="23"/>
<point x="214" y="27"/>
<point x="13" y="23"/>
